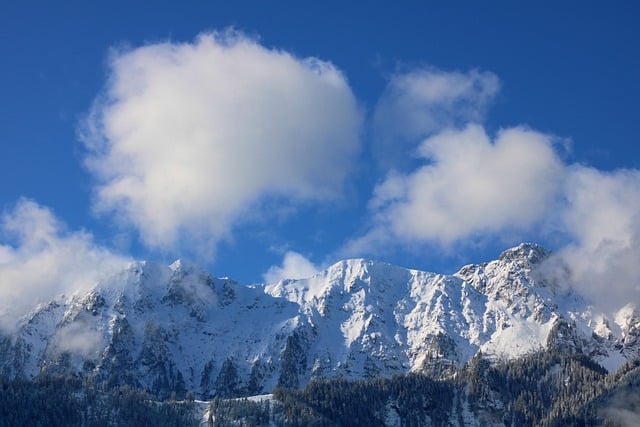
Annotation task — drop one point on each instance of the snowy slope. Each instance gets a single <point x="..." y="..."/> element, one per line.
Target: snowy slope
<point x="176" y="327"/>
<point x="372" y="318"/>
<point x="162" y="328"/>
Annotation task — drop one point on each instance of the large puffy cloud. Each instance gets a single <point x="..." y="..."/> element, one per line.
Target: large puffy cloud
<point x="469" y="185"/>
<point x="188" y="138"/>
<point x="424" y="101"/>
<point x="39" y="260"/>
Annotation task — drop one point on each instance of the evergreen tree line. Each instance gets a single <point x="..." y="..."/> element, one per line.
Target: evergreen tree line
<point x="72" y="401"/>
<point x="546" y="388"/>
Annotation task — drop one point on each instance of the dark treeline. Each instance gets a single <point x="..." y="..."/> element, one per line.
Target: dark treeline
<point x="71" y="401"/>
<point x="546" y="388"/>
<point x="542" y="389"/>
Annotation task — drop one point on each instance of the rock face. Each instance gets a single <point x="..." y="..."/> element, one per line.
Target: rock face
<point x="178" y="329"/>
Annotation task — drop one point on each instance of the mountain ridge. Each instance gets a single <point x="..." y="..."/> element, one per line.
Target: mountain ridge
<point x="178" y="328"/>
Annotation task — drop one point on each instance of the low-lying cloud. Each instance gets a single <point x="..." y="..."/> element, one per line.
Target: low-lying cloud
<point x="602" y="216"/>
<point x="623" y="409"/>
<point x="294" y="266"/>
<point x="77" y="338"/>
<point x="188" y="138"/>
<point x="40" y="259"/>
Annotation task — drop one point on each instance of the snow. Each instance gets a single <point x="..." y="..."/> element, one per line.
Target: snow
<point x="259" y="398"/>
<point x="626" y="314"/>
<point x="612" y="361"/>
<point x="358" y="318"/>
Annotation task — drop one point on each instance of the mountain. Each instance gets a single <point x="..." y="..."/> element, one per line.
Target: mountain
<point x="173" y="329"/>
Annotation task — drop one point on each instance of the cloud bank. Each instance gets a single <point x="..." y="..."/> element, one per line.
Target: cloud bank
<point x="188" y="138"/>
<point x="40" y="260"/>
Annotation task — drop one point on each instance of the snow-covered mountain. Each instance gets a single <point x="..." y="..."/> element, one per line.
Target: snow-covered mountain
<point x="177" y="328"/>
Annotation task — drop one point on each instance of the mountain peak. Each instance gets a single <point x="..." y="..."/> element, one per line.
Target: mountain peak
<point x="184" y="265"/>
<point x="529" y="253"/>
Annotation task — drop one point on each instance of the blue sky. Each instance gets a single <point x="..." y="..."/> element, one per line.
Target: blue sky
<point x="426" y="134"/>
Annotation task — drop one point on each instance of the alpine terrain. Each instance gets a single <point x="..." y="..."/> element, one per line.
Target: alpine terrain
<point x="175" y="330"/>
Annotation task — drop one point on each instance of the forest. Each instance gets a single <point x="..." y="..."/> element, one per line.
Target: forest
<point x="545" y="388"/>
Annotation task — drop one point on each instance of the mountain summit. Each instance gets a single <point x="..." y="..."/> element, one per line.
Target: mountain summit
<point x="177" y="328"/>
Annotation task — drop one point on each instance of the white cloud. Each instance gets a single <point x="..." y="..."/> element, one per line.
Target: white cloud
<point x="189" y="138"/>
<point x="422" y="102"/>
<point x="468" y="185"/>
<point x="294" y="266"/>
<point x="470" y="188"/>
<point x="602" y="216"/>
<point x="77" y="338"/>
<point x="39" y="260"/>
<point x="602" y="206"/>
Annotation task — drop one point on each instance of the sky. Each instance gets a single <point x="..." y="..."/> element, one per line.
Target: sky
<point x="268" y="140"/>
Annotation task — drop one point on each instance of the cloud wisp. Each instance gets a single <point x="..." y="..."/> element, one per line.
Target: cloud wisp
<point x="424" y="101"/>
<point x="188" y="138"/>
<point x="40" y="260"/>
<point x="294" y="266"/>
<point x="78" y="339"/>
